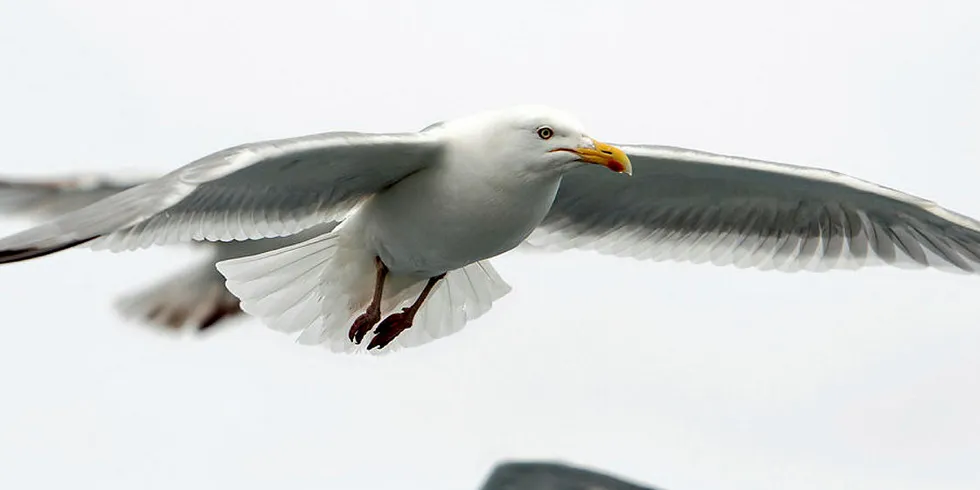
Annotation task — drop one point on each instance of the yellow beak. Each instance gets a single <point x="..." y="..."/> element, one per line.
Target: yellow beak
<point x="607" y="156"/>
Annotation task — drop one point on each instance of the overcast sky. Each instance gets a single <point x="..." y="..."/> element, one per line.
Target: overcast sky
<point x="688" y="377"/>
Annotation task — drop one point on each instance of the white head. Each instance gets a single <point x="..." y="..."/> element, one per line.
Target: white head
<point x="538" y="139"/>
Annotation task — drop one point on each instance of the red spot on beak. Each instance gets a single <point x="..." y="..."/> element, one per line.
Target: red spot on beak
<point x="615" y="166"/>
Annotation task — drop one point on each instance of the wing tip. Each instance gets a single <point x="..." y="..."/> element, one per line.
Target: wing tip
<point x="180" y="306"/>
<point x="22" y="254"/>
<point x="221" y="313"/>
<point x="176" y="319"/>
<point x="555" y="474"/>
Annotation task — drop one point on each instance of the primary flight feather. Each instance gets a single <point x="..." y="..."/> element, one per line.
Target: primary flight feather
<point x="421" y="213"/>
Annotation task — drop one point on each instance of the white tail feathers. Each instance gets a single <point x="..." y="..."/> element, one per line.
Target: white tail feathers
<point x="319" y="286"/>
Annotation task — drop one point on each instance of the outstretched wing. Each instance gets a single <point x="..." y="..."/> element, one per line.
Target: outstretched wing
<point x="196" y="295"/>
<point x="695" y="206"/>
<point x="258" y="190"/>
<point x="46" y="198"/>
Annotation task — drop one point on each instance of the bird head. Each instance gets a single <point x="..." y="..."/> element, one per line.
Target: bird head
<point x="545" y="140"/>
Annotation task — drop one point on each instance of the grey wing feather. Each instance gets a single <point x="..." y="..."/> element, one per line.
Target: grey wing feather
<point x="197" y="295"/>
<point x="194" y="295"/>
<point x="45" y="198"/>
<point x="690" y="205"/>
<point x="258" y="190"/>
<point x="553" y="476"/>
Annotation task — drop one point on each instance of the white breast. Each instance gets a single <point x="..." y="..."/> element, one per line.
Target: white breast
<point x="447" y="217"/>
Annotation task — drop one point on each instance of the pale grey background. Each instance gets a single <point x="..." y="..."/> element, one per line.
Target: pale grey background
<point x="685" y="376"/>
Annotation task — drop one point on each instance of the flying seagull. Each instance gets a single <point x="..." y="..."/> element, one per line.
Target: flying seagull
<point x="553" y="475"/>
<point x="423" y="212"/>
<point x="194" y="296"/>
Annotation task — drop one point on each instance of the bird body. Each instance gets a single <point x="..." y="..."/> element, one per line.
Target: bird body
<point x="466" y="214"/>
<point x="392" y="233"/>
<point x="446" y="218"/>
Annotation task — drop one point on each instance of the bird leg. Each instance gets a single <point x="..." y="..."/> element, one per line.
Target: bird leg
<point x="397" y="323"/>
<point x="362" y="324"/>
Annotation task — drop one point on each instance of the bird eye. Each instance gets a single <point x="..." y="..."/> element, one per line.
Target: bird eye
<point x="544" y="132"/>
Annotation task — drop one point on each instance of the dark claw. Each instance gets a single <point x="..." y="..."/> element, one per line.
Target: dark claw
<point x="390" y="328"/>
<point x="362" y="325"/>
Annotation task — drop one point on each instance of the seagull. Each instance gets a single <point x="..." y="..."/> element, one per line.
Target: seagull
<point x="553" y="475"/>
<point x="195" y="296"/>
<point x="421" y="213"/>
